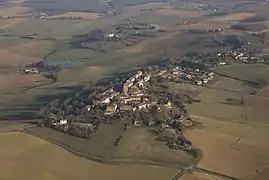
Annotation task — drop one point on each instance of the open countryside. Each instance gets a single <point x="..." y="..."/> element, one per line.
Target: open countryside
<point x="134" y="89"/>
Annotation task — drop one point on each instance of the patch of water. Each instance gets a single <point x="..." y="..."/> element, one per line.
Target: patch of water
<point x="234" y="22"/>
<point x="65" y="63"/>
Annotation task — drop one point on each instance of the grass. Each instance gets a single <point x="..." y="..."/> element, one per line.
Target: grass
<point x="23" y="152"/>
<point x="50" y="27"/>
<point x="213" y="102"/>
<point x="251" y="72"/>
<point x="142" y="144"/>
<point x="136" y="145"/>
<point x="153" y="18"/>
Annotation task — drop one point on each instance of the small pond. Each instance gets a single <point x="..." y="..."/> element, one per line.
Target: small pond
<point x="234" y="22"/>
<point x="65" y="63"/>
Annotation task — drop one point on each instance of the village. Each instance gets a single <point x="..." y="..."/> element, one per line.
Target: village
<point x="141" y="99"/>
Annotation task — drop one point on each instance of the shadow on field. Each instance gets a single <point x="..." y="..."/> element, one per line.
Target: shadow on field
<point x="20" y="111"/>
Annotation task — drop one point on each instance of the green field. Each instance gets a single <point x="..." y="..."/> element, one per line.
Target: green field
<point x="250" y="72"/>
<point x="135" y="146"/>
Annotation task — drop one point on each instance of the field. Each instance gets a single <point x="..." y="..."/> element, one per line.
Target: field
<point x="83" y="15"/>
<point x="234" y="96"/>
<point x="7" y="23"/>
<point x="142" y="144"/>
<point x="200" y="176"/>
<point x="233" y="141"/>
<point x="24" y="153"/>
<point x="214" y="102"/>
<point x="229" y="148"/>
<point x="135" y="146"/>
<point x="184" y="14"/>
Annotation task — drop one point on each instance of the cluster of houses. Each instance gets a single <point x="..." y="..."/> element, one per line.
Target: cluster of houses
<point x="188" y="75"/>
<point x="132" y="97"/>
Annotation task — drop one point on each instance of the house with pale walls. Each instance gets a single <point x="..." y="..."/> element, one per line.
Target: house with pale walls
<point x="105" y="100"/>
<point x="111" y="109"/>
<point x="147" y="77"/>
<point x="126" y="86"/>
<point x="161" y="72"/>
<point x="141" y="84"/>
<point x="127" y="108"/>
<point x="132" y="100"/>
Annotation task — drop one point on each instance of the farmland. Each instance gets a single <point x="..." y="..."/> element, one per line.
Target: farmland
<point x="240" y="148"/>
<point x="233" y="108"/>
<point x="22" y="153"/>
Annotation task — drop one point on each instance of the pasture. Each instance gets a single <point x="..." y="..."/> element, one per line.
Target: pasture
<point x="214" y="102"/>
<point x="43" y="160"/>
<point x="249" y="72"/>
<point x="142" y="144"/>
<point x="134" y="146"/>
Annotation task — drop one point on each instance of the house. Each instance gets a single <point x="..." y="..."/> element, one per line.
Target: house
<point x="176" y="72"/>
<point x="105" y="100"/>
<point x="168" y="104"/>
<point x="205" y="81"/>
<point x="63" y="122"/>
<point x="126" y="86"/>
<point x="147" y="78"/>
<point x="222" y="63"/>
<point x="132" y="79"/>
<point x="111" y="109"/>
<point x="210" y="78"/>
<point x="110" y="90"/>
<point x="113" y="94"/>
<point x="162" y="72"/>
<point x="132" y="99"/>
<point x="138" y="74"/>
<point x="134" y="90"/>
<point x="199" y="83"/>
<point x="211" y="74"/>
<point x="141" y="84"/>
<point x="127" y="108"/>
<point x="137" y="123"/>
<point x="31" y="71"/>
<point x="143" y="106"/>
<point x="113" y="36"/>
<point x="88" y="108"/>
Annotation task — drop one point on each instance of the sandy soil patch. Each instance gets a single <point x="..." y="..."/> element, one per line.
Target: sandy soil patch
<point x="189" y="14"/>
<point x="45" y="161"/>
<point x="232" y="149"/>
<point x="82" y="15"/>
